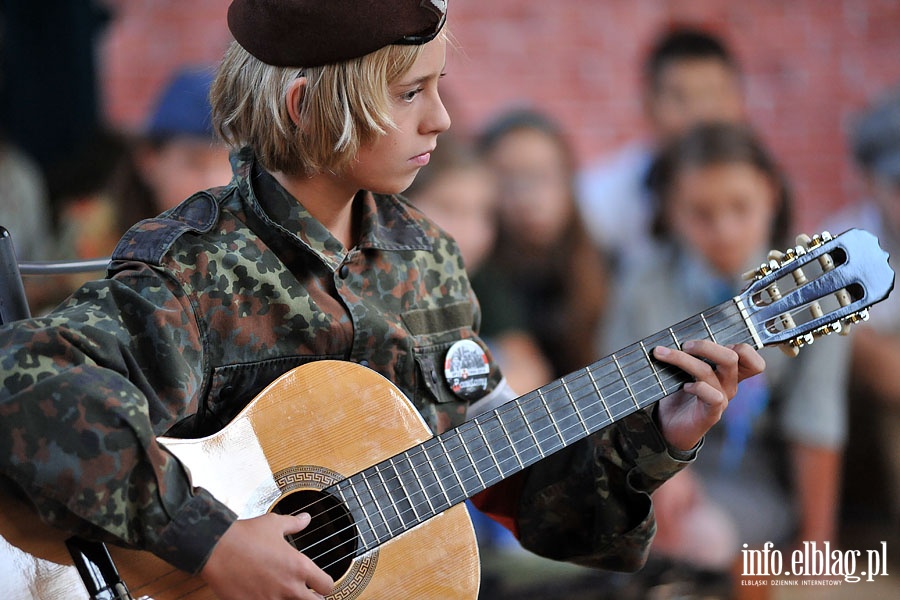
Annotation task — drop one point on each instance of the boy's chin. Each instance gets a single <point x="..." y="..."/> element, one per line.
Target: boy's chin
<point x="398" y="188"/>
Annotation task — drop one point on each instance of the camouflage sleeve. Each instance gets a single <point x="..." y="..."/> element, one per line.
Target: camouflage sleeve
<point x="84" y="393"/>
<point x="590" y="503"/>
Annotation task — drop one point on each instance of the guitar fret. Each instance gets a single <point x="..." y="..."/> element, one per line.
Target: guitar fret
<point x="708" y="330"/>
<point x="440" y="483"/>
<point x="599" y="395"/>
<point x="415" y="473"/>
<point x="483" y="455"/>
<point x="393" y="503"/>
<point x="512" y="445"/>
<point x="455" y="474"/>
<point x="575" y="405"/>
<point x="550" y="416"/>
<point x="471" y="459"/>
<point x="488" y="455"/>
<point x="407" y="497"/>
<point x="653" y="368"/>
<point x="364" y="506"/>
<point x="530" y="430"/>
<point x="625" y="380"/>
<point x="675" y="339"/>
<point x="748" y="322"/>
<point x="352" y="503"/>
<point x="437" y="477"/>
<point x="434" y="480"/>
<point x="376" y="503"/>
<point x="409" y="494"/>
<point x="461" y="457"/>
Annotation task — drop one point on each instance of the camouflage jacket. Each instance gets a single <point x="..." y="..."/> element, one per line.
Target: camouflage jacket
<point x="207" y="304"/>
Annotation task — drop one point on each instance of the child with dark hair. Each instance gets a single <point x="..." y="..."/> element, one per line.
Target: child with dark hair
<point x="875" y="146"/>
<point x="557" y="276"/>
<point x="690" y="77"/>
<point x="771" y="472"/>
<point x="176" y="153"/>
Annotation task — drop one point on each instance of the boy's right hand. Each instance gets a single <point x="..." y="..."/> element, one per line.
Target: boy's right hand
<point x="254" y="560"/>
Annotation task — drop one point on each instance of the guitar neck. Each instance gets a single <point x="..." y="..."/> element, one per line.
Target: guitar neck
<point x="413" y="486"/>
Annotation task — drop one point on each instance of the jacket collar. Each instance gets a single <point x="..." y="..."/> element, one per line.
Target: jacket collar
<point x="386" y="222"/>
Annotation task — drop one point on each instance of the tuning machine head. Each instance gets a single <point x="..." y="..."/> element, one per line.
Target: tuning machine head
<point x="842" y="327"/>
<point x="763" y="270"/>
<point x="821" y="286"/>
<point x="857" y="317"/>
<point x="777" y="260"/>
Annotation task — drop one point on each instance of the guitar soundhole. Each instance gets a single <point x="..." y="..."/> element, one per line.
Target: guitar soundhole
<point x="330" y="538"/>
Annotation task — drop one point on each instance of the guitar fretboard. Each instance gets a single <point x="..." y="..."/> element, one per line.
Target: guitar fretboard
<point x="413" y="486"/>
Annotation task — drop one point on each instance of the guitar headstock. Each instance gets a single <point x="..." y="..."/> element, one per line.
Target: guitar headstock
<point x="821" y="286"/>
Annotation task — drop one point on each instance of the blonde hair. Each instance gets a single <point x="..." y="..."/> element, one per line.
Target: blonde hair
<point x="344" y="106"/>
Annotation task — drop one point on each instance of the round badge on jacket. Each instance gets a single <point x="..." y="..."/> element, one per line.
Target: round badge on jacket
<point x="466" y="368"/>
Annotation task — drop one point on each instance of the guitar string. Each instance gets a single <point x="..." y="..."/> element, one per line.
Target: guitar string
<point x="515" y="457"/>
<point x="398" y="479"/>
<point x="407" y="497"/>
<point x="394" y="505"/>
<point x="500" y="466"/>
<point x="578" y="376"/>
<point x="351" y="554"/>
<point x="680" y="328"/>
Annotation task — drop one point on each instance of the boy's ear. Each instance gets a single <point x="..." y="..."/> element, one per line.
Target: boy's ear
<point x="294" y="98"/>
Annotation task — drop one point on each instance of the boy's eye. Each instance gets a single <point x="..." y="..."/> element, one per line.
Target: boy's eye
<point x="410" y="95"/>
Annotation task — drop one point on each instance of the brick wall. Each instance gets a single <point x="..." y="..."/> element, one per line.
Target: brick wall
<point x="809" y="65"/>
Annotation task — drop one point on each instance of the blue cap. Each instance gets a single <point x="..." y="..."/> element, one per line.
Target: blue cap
<point x="875" y="138"/>
<point x="183" y="108"/>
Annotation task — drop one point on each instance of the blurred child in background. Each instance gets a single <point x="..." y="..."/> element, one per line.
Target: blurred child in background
<point x="690" y="76"/>
<point x="875" y="144"/>
<point x="770" y="471"/>
<point x="175" y="154"/>
<point x="557" y="275"/>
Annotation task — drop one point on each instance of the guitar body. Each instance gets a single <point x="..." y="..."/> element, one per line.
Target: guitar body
<point x="317" y="423"/>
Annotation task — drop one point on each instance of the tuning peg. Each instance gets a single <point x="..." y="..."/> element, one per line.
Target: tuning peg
<point x="751" y="275"/>
<point x="857" y="317"/>
<point x="792" y="347"/>
<point x="828" y="329"/>
<point x="802" y="340"/>
<point x="763" y="270"/>
<point x="790" y="255"/>
<point x="815" y="241"/>
<point x="789" y="350"/>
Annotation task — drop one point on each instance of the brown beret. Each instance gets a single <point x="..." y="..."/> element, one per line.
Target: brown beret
<point x="311" y="33"/>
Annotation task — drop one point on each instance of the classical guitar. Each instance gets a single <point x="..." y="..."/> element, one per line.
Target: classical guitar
<point x="385" y="494"/>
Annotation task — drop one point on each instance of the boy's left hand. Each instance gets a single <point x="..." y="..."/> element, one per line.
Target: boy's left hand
<point x="687" y="415"/>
